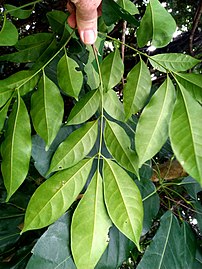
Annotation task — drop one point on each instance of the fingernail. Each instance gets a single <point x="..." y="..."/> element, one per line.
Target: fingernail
<point x="88" y="36"/>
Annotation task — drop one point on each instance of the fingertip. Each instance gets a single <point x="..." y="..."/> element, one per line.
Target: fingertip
<point x="88" y="36"/>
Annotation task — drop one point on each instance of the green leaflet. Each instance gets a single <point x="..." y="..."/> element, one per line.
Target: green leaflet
<point x="57" y="19"/>
<point x="77" y="145"/>
<point x="90" y="226"/>
<point x="70" y="80"/>
<point x="129" y="6"/>
<point x="33" y="40"/>
<point x="192" y="83"/>
<point x="47" y="110"/>
<point x="56" y="195"/>
<point x="85" y="108"/>
<point x="156" y="25"/>
<point x="176" y="62"/>
<point x="18" y="12"/>
<point x="113" y="106"/>
<point x="112" y="70"/>
<point x="164" y="250"/>
<point x="186" y="127"/>
<point x="137" y="89"/>
<point x="152" y="127"/>
<point x="119" y="145"/>
<point x="16" y="148"/>
<point x="123" y="201"/>
<point x="8" y="34"/>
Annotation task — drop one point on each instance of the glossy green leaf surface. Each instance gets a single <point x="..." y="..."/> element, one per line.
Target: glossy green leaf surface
<point x="52" y="250"/>
<point x="113" y="106"/>
<point x="156" y="25"/>
<point x="186" y="127"/>
<point x="55" y="195"/>
<point x="18" y="12"/>
<point x="164" y="251"/>
<point x="137" y="89"/>
<point x="152" y="132"/>
<point x="70" y="80"/>
<point x="8" y="34"/>
<point x="176" y="62"/>
<point x="123" y="201"/>
<point x="119" y="145"/>
<point x="85" y="108"/>
<point x="16" y="148"/>
<point x="112" y="69"/>
<point x="47" y="110"/>
<point x="90" y="226"/>
<point x="112" y="12"/>
<point x="192" y="83"/>
<point x="76" y="146"/>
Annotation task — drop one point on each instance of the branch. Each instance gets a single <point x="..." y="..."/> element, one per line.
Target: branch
<point x="194" y="27"/>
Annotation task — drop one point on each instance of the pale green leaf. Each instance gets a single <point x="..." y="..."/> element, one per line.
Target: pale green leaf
<point x="3" y="114"/>
<point x="113" y="106"/>
<point x="165" y="248"/>
<point x="76" y="146"/>
<point x="123" y="201"/>
<point x="152" y="127"/>
<point x="186" y="133"/>
<point x="90" y="226"/>
<point x="18" y="12"/>
<point x="55" y="195"/>
<point x="192" y="83"/>
<point x="85" y="108"/>
<point x="70" y="80"/>
<point x="8" y="34"/>
<point x="176" y="62"/>
<point x="16" y="148"/>
<point x="156" y="25"/>
<point x="112" y="69"/>
<point x="47" y="110"/>
<point x="119" y="145"/>
<point x="137" y="89"/>
<point x="129" y="6"/>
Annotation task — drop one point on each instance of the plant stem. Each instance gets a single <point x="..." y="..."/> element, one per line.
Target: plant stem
<point x="21" y="7"/>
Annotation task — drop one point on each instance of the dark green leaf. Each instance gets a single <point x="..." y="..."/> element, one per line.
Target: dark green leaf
<point x="55" y="195"/>
<point x="3" y="114"/>
<point x="77" y="145"/>
<point x="85" y="108"/>
<point x="136" y="90"/>
<point x="18" y="12"/>
<point x="123" y="201"/>
<point x="156" y="25"/>
<point x="47" y="110"/>
<point x="8" y="34"/>
<point x="16" y="148"/>
<point x="186" y="133"/>
<point x="33" y="40"/>
<point x="90" y="226"/>
<point x="57" y="20"/>
<point x="112" y="12"/>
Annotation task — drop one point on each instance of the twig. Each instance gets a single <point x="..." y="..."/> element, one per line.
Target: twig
<point x="194" y="27"/>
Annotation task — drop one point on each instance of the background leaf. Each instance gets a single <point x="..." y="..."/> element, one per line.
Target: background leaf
<point x="18" y="12"/>
<point x="112" y="69"/>
<point x="55" y="196"/>
<point x="186" y="127"/>
<point x="128" y="6"/>
<point x="136" y="90"/>
<point x="8" y="34"/>
<point x="90" y="226"/>
<point x="152" y="132"/>
<point x="77" y="145"/>
<point x="70" y="80"/>
<point x="16" y="148"/>
<point x="176" y="62"/>
<point x="156" y="25"/>
<point x="47" y="110"/>
<point x="123" y="201"/>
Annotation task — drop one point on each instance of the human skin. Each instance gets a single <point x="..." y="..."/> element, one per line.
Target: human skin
<point x="83" y="15"/>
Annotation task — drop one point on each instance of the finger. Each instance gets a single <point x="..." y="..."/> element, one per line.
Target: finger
<point x="72" y="20"/>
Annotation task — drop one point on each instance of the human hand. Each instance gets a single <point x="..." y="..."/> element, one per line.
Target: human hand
<point x="84" y="15"/>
